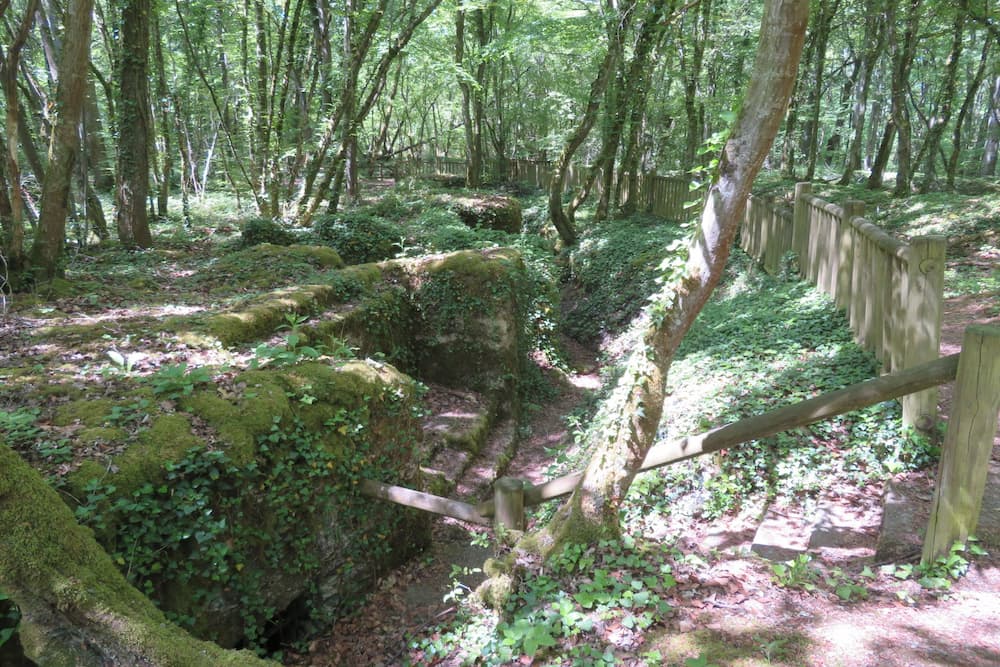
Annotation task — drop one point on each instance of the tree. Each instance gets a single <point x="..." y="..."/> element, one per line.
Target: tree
<point x="13" y="205"/>
<point x="64" y="145"/>
<point x="132" y="182"/>
<point x="904" y="48"/>
<point x="617" y="22"/>
<point x="634" y="410"/>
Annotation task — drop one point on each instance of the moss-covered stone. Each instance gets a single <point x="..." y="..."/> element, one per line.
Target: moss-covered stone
<point x="493" y="212"/>
<point x="262" y="318"/>
<point x="338" y="404"/>
<point x="77" y="607"/>
<point x="263" y="266"/>
<point x="467" y="334"/>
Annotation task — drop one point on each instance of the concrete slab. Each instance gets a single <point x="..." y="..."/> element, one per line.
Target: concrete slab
<point x="782" y="535"/>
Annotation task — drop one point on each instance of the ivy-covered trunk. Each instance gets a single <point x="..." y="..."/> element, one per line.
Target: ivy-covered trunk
<point x="631" y="416"/>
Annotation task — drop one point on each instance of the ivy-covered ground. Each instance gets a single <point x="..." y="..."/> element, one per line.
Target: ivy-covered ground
<point x="681" y="588"/>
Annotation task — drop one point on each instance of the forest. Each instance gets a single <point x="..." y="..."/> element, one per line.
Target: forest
<point x="282" y="282"/>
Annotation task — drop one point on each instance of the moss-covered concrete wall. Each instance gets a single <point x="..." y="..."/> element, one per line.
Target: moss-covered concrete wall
<point x="77" y="608"/>
<point x="228" y="506"/>
<point x="238" y="500"/>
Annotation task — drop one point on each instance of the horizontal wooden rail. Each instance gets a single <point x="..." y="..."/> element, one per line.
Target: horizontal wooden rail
<point x="854" y="397"/>
<point x="423" y="501"/>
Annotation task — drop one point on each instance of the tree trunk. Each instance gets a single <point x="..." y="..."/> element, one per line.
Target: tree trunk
<point x="989" y="164"/>
<point x="632" y="413"/>
<point x="874" y="40"/>
<point x="691" y="66"/>
<point x="822" y="37"/>
<point x="557" y="182"/>
<point x="882" y="157"/>
<point x="13" y="226"/>
<point x="904" y="51"/>
<point x="165" y="120"/>
<point x="963" y="113"/>
<point x="73" y="61"/>
<point x="941" y="115"/>
<point x="132" y="184"/>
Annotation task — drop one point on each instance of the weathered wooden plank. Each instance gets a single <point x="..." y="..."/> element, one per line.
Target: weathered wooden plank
<point x="968" y="443"/>
<point x="422" y="501"/>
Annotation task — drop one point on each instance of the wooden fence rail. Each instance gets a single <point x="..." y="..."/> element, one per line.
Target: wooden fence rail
<point x="961" y="477"/>
<point x="891" y="292"/>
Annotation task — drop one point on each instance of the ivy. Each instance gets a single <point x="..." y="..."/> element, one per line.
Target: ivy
<point x="210" y="519"/>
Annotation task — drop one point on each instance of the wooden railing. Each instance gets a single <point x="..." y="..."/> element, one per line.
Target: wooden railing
<point x="665" y="196"/>
<point x="962" y="473"/>
<point x="892" y="292"/>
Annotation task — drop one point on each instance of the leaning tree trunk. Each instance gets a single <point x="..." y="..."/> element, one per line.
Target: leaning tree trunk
<point x="562" y="222"/>
<point x="633" y="411"/>
<point x="73" y="61"/>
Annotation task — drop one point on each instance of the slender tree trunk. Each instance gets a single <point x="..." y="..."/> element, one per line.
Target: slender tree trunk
<point x="882" y="157"/>
<point x="691" y="66"/>
<point x="13" y="220"/>
<point x="617" y="24"/>
<point x="134" y="128"/>
<point x="73" y="61"/>
<point x="905" y="46"/>
<point x="941" y="115"/>
<point x="989" y="164"/>
<point x="633" y="411"/>
<point x="822" y="27"/>
<point x="963" y="113"/>
<point x="874" y="41"/>
<point x="166" y="121"/>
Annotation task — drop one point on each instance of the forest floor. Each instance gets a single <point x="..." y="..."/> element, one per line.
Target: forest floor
<point x="727" y="607"/>
<point x="732" y="611"/>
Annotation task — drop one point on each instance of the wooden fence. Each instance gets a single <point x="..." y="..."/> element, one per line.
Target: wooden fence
<point x="665" y="196"/>
<point x="891" y="292"/>
<point x="962" y="472"/>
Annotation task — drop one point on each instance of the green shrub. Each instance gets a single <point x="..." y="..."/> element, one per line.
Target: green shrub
<point x="265" y="230"/>
<point x="359" y="237"/>
<point x="616" y="265"/>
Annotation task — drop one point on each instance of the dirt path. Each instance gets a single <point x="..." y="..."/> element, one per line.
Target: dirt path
<point x="413" y="598"/>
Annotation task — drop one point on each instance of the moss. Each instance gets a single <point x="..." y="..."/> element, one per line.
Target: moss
<point x="167" y="438"/>
<point x="262" y="319"/>
<point x="263" y="266"/>
<point x="78" y="609"/>
<point x="89" y="412"/>
<point x="239" y="424"/>
<point x="101" y="434"/>
<point x="57" y="288"/>
<point x="364" y="274"/>
<point x="499" y="586"/>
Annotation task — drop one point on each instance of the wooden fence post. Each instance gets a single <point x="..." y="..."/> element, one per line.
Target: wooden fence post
<point x="800" y="223"/>
<point x="924" y="306"/>
<point x="508" y="497"/>
<point x="853" y="208"/>
<point x="968" y="443"/>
